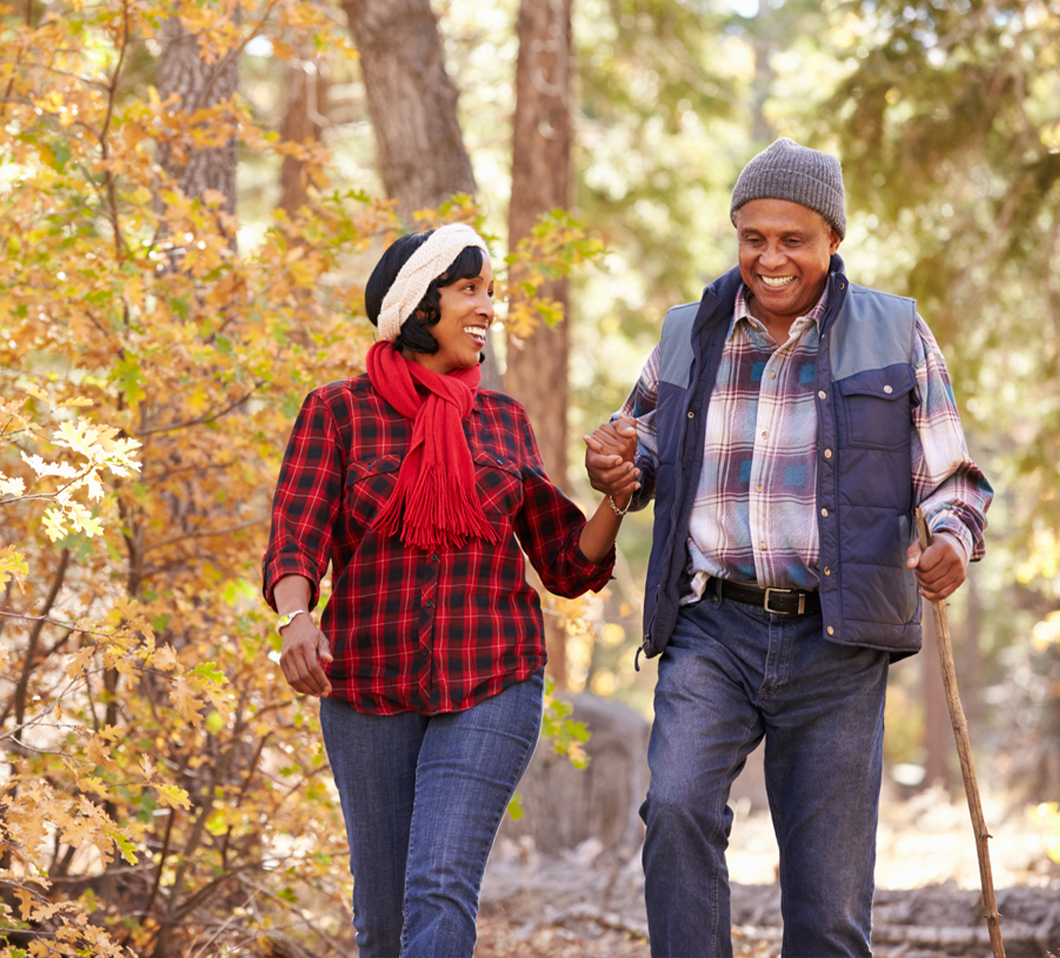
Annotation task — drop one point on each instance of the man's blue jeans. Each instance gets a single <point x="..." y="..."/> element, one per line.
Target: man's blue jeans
<point x="732" y="674"/>
<point x="423" y="797"/>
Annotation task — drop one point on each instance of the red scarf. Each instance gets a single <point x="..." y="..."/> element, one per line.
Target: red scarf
<point x="435" y="502"/>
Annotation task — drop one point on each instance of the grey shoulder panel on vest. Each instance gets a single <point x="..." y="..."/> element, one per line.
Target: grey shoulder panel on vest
<point x="675" y="352"/>
<point x="874" y="330"/>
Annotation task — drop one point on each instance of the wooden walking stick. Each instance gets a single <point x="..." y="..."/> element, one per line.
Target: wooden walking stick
<point x="964" y="751"/>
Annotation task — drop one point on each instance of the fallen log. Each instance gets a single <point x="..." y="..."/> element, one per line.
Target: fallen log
<point x="606" y="920"/>
<point x="947" y="938"/>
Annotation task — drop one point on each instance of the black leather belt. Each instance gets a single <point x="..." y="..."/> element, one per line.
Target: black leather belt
<point x="778" y="601"/>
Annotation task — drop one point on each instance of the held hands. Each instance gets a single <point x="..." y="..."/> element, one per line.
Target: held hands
<point x="609" y="459"/>
<point x="304" y="647"/>
<point x="940" y="568"/>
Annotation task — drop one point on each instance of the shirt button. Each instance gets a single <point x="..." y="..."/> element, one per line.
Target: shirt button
<point x="758" y="488"/>
<point x="828" y="454"/>
<point x="822" y="395"/>
<point x="762" y="546"/>
<point x="434" y="557"/>
<point x="772" y="374"/>
<point x="429" y="603"/>
<point x="500" y="462"/>
<point x="824" y="512"/>
<point x="765" y="433"/>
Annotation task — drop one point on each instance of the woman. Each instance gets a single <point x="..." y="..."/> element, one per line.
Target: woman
<point x="420" y="489"/>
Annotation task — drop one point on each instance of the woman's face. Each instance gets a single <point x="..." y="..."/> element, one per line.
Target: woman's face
<point x="466" y="315"/>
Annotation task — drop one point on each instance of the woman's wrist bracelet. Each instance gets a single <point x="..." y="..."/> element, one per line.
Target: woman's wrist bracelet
<point x="614" y="505"/>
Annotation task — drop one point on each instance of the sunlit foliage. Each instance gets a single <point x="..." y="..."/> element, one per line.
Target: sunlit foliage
<point x="158" y="770"/>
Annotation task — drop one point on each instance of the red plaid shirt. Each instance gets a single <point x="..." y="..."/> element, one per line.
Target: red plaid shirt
<point x="411" y="630"/>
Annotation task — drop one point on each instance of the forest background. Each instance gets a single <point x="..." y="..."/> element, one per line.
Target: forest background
<point x="191" y="195"/>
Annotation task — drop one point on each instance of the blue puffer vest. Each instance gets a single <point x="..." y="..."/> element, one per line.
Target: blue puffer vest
<point x="865" y="382"/>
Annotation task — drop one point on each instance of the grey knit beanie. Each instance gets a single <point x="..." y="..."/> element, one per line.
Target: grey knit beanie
<point x="787" y="171"/>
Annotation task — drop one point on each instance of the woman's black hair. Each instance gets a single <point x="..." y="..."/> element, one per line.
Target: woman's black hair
<point x="415" y="335"/>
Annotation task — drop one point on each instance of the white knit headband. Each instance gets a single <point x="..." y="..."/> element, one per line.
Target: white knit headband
<point x="428" y="262"/>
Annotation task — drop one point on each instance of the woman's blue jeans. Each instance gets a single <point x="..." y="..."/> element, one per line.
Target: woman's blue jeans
<point x="423" y="797"/>
<point x="732" y="674"/>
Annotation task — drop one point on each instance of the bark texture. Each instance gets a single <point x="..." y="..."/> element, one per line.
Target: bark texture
<point x="198" y="84"/>
<point x="541" y="181"/>
<point x="412" y="102"/>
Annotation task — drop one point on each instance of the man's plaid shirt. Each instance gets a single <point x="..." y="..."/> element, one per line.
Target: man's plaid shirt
<point x="754" y="517"/>
<point x="410" y="630"/>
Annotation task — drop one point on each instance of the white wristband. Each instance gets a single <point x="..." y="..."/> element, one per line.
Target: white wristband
<point x="288" y="618"/>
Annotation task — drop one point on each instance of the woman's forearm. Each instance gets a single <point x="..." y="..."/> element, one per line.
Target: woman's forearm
<point x="610" y="458"/>
<point x="600" y="532"/>
<point x="292" y="593"/>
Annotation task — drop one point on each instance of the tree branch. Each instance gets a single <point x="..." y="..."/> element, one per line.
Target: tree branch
<point x="34" y="638"/>
<point x="203" y="419"/>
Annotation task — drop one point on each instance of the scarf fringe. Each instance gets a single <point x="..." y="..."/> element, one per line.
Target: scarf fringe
<point x="436" y="513"/>
<point x="435" y="500"/>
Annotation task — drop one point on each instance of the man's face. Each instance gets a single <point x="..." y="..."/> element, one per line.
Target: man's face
<point x="785" y="249"/>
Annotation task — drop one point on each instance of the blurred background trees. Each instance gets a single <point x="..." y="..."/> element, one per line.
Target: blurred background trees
<point x="191" y="195"/>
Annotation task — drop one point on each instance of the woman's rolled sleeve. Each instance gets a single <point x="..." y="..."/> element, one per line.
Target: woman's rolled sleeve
<point x="307" y="502"/>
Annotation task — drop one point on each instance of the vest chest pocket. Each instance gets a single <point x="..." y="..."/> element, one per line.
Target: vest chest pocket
<point x="369" y="485"/>
<point x="499" y="480"/>
<point x="875" y="408"/>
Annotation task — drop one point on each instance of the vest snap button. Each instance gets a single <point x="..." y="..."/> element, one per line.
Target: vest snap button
<point x="831" y="631"/>
<point x="824" y="512"/>
<point x="888" y="390"/>
<point x="691" y="415"/>
<point x="827" y="571"/>
<point x="828" y="454"/>
<point x="822" y="395"/>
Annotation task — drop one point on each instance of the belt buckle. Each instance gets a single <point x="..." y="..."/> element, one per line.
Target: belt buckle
<point x="802" y="602"/>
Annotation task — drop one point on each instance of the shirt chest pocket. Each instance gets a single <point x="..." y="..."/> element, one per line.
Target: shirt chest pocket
<point x="875" y="408"/>
<point x="369" y="485"/>
<point x="499" y="481"/>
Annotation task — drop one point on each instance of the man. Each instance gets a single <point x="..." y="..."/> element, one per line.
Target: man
<point x="788" y="425"/>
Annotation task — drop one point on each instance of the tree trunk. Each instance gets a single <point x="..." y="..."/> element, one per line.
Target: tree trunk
<point x="304" y="118"/>
<point x="412" y="102"/>
<point x="541" y="181"/>
<point x="199" y="84"/>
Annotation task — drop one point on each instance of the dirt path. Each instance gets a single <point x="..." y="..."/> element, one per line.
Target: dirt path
<point x="585" y="904"/>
